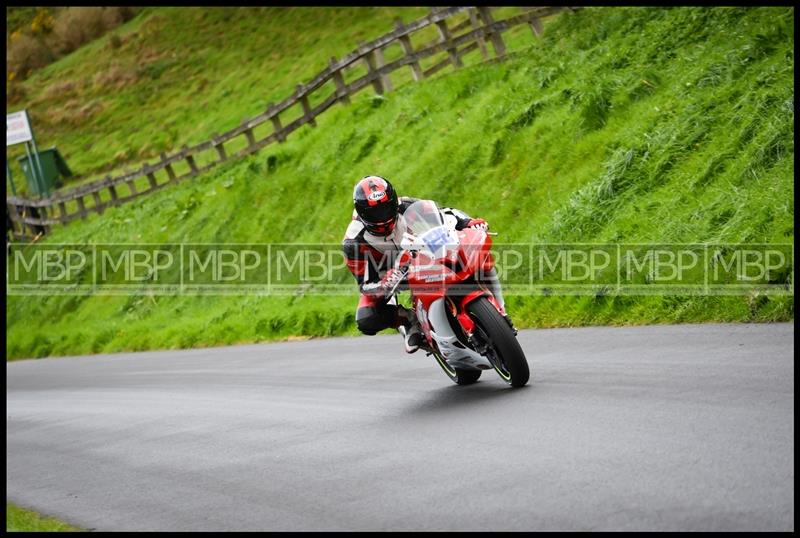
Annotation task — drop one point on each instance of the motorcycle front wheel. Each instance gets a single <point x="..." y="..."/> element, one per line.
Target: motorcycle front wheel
<point x="502" y="348"/>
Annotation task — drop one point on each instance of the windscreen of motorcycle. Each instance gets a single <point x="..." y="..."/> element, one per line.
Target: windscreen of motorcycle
<point x="425" y="222"/>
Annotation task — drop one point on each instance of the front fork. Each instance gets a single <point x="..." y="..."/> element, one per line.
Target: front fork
<point x="492" y="283"/>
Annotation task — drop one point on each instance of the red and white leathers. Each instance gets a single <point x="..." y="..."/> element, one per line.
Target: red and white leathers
<point x="369" y="257"/>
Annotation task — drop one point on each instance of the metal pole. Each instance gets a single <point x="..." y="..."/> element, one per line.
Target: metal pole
<point x="33" y="169"/>
<point x="10" y="179"/>
<point x="38" y="162"/>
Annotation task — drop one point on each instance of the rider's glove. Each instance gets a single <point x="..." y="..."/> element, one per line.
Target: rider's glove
<point x="392" y="278"/>
<point x="386" y="285"/>
<point x="479" y="224"/>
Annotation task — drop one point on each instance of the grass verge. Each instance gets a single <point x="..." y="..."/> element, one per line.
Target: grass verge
<point x="22" y="520"/>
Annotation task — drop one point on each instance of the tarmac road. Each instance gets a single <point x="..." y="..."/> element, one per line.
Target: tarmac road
<point x="687" y="427"/>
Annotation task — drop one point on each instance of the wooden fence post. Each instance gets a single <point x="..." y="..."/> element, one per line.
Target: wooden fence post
<point x="497" y="40"/>
<point x="276" y="123"/>
<point x="168" y="167"/>
<point x="341" y="88"/>
<point x="29" y="212"/>
<point x="132" y="187"/>
<point x="23" y="215"/>
<point x="219" y="146"/>
<point x="113" y="191"/>
<point x="444" y="35"/>
<point x="36" y="213"/>
<point x="98" y="203"/>
<point x="379" y="62"/>
<point x="473" y="19"/>
<point x="190" y="159"/>
<point x="248" y="133"/>
<point x="306" y="107"/>
<point x="43" y="215"/>
<point x="17" y="223"/>
<point x="221" y="151"/>
<point x="81" y="208"/>
<point x="405" y="41"/>
<point x="20" y="212"/>
<point x="369" y="59"/>
<point x="536" y="27"/>
<point x="251" y="139"/>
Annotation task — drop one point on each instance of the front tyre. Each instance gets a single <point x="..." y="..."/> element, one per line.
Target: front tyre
<point x="502" y="348"/>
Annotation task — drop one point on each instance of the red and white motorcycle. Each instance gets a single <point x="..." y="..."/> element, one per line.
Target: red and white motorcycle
<point x="462" y="322"/>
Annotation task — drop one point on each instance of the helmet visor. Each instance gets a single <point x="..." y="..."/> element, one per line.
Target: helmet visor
<point x="381" y="212"/>
<point x="380" y="228"/>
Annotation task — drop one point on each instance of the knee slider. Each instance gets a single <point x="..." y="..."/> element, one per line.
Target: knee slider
<point x="369" y="321"/>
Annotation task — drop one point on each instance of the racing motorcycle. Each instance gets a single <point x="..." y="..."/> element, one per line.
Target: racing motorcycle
<point x="463" y="324"/>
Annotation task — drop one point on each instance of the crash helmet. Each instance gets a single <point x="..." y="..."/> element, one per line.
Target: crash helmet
<point x="376" y="204"/>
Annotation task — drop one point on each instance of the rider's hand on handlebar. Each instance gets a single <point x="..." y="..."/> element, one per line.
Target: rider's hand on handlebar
<point x="392" y="278"/>
<point x="388" y="283"/>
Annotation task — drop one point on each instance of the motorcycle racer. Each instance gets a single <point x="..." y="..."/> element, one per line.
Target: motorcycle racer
<point x="371" y="245"/>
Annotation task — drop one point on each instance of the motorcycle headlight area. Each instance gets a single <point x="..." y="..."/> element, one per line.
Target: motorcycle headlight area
<point x="440" y="241"/>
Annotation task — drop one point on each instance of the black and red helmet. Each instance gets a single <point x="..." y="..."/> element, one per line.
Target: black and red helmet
<point x="376" y="204"/>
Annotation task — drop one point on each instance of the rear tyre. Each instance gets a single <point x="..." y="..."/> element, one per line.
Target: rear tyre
<point x="467" y="377"/>
<point x="457" y="375"/>
<point x="502" y="348"/>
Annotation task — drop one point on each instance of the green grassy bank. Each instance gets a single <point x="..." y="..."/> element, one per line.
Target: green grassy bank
<point x="619" y="125"/>
<point x="174" y="76"/>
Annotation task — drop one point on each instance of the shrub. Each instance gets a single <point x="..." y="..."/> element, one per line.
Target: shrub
<point x="77" y="26"/>
<point x="43" y="22"/>
<point x="15" y="93"/>
<point x="50" y="37"/>
<point x="26" y="53"/>
<point x="113" y="78"/>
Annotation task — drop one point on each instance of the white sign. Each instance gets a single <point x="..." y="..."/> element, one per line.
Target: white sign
<point x="17" y="128"/>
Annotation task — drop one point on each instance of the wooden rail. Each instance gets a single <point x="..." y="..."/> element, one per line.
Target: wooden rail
<point x="28" y="217"/>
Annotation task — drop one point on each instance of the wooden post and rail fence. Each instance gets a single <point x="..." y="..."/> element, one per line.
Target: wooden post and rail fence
<point x="478" y="30"/>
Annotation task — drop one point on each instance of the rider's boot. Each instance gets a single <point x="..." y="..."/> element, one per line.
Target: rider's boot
<point x="410" y="329"/>
<point x="413" y="338"/>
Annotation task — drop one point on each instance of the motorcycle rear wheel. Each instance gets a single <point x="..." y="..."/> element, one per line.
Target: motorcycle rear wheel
<point x="505" y="353"/>
<point x="458" y="375"/>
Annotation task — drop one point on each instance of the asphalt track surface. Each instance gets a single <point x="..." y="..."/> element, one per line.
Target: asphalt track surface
<point x="687" y="427"/>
